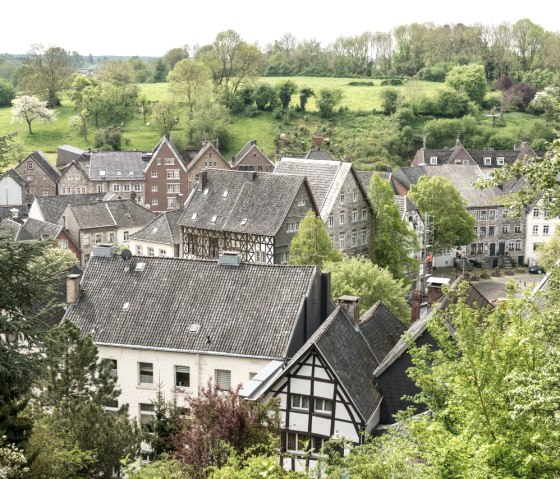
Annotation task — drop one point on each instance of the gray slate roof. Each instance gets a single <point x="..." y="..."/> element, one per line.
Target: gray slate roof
<point x="234" y="306"/>
<point x="37" y="230"/>
<point x="119" y="213"/>
<point x="52" y="207"/>
<point x="50" y="170"/>
<point x="319" y="155"/>
<point x="20" y="180"/>
<point x="263" y="202"/>
<point x="409" y="175"/>
<point x="130" y="164"/>
<point x="246" y="150"/>
<point x="162" y="229"/>
<point x="9" y="228"/>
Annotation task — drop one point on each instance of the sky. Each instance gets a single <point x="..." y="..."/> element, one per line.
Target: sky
<point x="123" y="27"/>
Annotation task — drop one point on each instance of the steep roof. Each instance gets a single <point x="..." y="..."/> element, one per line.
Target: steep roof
<point x="207" y="146"/>
<point x="245" y="151"/>
<point x="9" y="228"/>
<point x="119" y="213"/>
<point x="319" y="155"/>
<point x="20" y="180"/>
<point x="130" y="164"/>
<point x="52" y="207"/>
<point x="245" y="202"/>
<point x="158" y="307"/>
<point x="473" y="299"/>
<point x="162" y="229"/>
<point x="167" y="142"/>
<point x="50" y="170"/>
<point x="409" y="175"/>
<point x="37" y="230"/>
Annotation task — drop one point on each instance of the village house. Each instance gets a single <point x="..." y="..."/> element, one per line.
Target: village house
<point x="177" y="325"/>
<point x="160" y="237"/>
<point x="36" y="230"/>
<point x="342" y="200"/>
<point x="206" y="159"/>
<point x="254" y="213"/>
<point x="104" y="222"/>
<point x="540" y="228"/>
<point x="251" y="158"/>
<point x="12" y="188"/>
<point x="40" y="175"/>
<point x="75" y="180"/>
<point x="50" y="208"/>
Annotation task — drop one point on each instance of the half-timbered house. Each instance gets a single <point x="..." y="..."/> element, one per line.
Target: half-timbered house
<point x="256" y="214"/>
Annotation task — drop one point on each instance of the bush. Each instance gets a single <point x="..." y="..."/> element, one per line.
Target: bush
<point x="108" y="139"/>
<point x="405" y="116"/>
<point x="389" y="100"/>
<point x="392" y="82"/>
<point x="492" y="101"/>
<point x="451" y="103"/>
<point x="361" y="83"/>
<point x="436" y="73"/>
<point x="7" y="93"/>
<point x="520" y="95"/>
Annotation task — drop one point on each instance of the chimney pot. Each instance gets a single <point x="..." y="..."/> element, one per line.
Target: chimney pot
<point x="72" y="288"/>
<point x="351" y="304"/>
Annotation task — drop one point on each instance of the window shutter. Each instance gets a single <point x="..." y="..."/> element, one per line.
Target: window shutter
<point x="223" y="378"/>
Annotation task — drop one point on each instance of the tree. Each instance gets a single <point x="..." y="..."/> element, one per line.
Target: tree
<point x="452" y="225"/>
<point x="389" y="100"/>
<point x="358" y="276"/>
<point x="12" y="461"/>
<point x="108" y="139"/>
<point x="164" y="117"/>
<point x="221" y="423"/>
<point x="7" y="93"/>
<point x="47" y="72"/>
<point x="304" y="94"/>
<point x="118" y="90"/>
<point x="188" y="80"/>
<point x="549" y="253"/>
<point x="6" y="147"/>
<point x="208" y="122"/>
<point x="470" y="79"/>
<point x="285" y="92"/>
<point x="520" y="95"/>
<point x="254" y="467"/>
<point x="265" y="97"/>
<point x="30" y="108"/>
<point x="162" y="468"/>
<point x="393" y="240"/>
<point x="311" y="244"/>
<point x="328" y="100"/>
<point x="173" y="56"/>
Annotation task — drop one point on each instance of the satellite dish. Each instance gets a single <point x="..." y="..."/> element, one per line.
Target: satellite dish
<point x="126" y="255"/>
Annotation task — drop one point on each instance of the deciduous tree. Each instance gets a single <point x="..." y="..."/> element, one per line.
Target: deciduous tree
<point x="285" y="92"/>
<point x="327" y="101"/>
<point x="7" y="93"/>
<point x="30" y="108"/>
<point x="188" y="81"/>
<point x="470" y="79"/>
<point x="164" y="117"/>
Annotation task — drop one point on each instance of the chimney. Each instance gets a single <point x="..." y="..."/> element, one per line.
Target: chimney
<point x="351" y="304"/>
<point x="203" y="180"/>
<point x="72" y="288"/>
<point x="317" y="141"/>
<point x="251" y="175"/>
<point x="325" y="294"/>
<point x="434" y="289"/>
<point x="14" y="212"/>
<point x="416" y="303"/>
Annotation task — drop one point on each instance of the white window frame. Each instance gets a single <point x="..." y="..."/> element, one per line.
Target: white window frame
<point x="154" y="173"/>
<point x="145" y="379"/>
<point x="323" y="405"/>
<point x="299" y="401"/>
<point x="222" y="378"/>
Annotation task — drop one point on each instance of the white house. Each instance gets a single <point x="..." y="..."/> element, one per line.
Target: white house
<point x="179" y="323"/>
<point x="539" y="229"/>
<point x="11" y="188"/>
<point x="160" y="237"/>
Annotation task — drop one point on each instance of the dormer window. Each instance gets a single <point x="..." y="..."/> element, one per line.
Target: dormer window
<point x="118" y="172"/>
<point x="225" y="193"/>
<point x="487" y="160"/>
<point x="101" y="172"/>
<point x="500" y="160"/>
<point x="433" y="160"/>
<point x="131" y="173"/>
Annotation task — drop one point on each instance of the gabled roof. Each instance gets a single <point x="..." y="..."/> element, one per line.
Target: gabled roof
<point x="409" y="175"/>
<point x="52" y="207"/>
<point x="319" y="155"/>
<point x="78" y="164"/>
<point x="165" y="141"/>
<point x="14" y="175"/>
<point x="72" y="149"/>
<point x="404" y="204"/>
<point x="245" y="151"/>
<point x="207" y="146"/>
<point x="37" y="230"/>
<point x="130" y="164"/>
<point x="50" y="170"/>
<point x="9" y="228"/>
<point x="119" y="213"/>
<point x="160" y="306"/>
<point x="162" y="229"/>
<point x="473" y="299"/>
<point x="244" y="202"/>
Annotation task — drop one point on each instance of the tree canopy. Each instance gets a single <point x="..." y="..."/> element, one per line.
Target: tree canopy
<point x="29" y="109"/>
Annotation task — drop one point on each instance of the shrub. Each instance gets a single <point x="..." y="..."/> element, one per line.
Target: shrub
<point x="7" y="93"/>
<point x="361" y="83"/>
<point x="108" y="139"/>
<point x="392" y="81"/>
<point x="520" y="95"/>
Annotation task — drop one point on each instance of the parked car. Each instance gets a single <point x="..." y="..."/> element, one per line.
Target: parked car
<point x="536" y="270"/>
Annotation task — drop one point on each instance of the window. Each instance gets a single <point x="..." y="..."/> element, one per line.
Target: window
<point x="500" y="160"/>
<point x="113" y="363"/>
<point x="354" y="239"/>
<point x="151" y="251"/>
<point x="475" y="231"/>
<point x="125" y="236"/>
<point x="98" y="238"/>
<point x="297" y="441"/>
<point x="342" y="199"/>
<point x="536" y="213"/>
<point x="511" y="245"/>
<point x="147" y="416"/>
<point x="116" y="187"/>
<point x="163" y="252"/>
<point x="505" y="213"/>
<point x="146" y="373"/>
<point x="483" y="215"/>
<point x="354" y="216"/>
<point x="154" y="188"/>
<point x="341" y="243"/>
<point x="535" y="229"/>
<point x="223" y="378"/>
<point x="86" y="240"/>
<point x="139" y="250"/>
<point x="331" y="220"/>
<point x="487" y="160"/>
<point x="517" y="228"/>
<point x="169" y="161"/>
<point x="158" y="161"/>
<point x="433" y="160"/>
<point x="299" y="401"/>
<point x="364" y="214"/>
<point x="505" y="228"/>
<point x="154" y="173"/>
<point x="174" y="175"/>
<point x="475" y="213"/>
<point x="482" y="231"/>
<point x="491" y="230"/>
<point x="100" y="189"/>
<point x="154" y="201"/>
<point x="137" y="187"/>
<point x="111" y="238"/>
<point x="29" y="178"/>
<point x="518" y="245"/>
<point x="322" y="405"/>
<point x="545" y="229"/>
<point x="182" y="376"/>
<point x="119" y="173"/>
<point x="364" y="236"/>
<point x="196" y="178"/>
<point x="171" y="203"/>
<point x="173" y="187"/>
<point x="354" y="196"/>
<point x="126" y="187"/>
<point x="301" y="203"/>
<point x="341" y="217"/>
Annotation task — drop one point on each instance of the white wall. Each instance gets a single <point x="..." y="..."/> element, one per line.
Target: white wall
<point x="169" y="249"/>
<point x="532" y="256"/>
<point x="201" y="366"/>
<point x="10" y="192"/>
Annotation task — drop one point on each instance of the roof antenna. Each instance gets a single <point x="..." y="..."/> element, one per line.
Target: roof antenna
<point x="126" y="255"/>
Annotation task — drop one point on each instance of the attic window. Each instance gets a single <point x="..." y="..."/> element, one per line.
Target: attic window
<point x="500" y="160"/>
<point x="214" y="218"/>
<point x="433" y="160"/>
<point x="205" y="192"/>
<point x="126" y="306"/>
<point x="225" y="193"/>
<point x="131" y="173"/>
<point x="118" y="172"/>
<point x="487" y="160"/>
<point x="140" y="267"/>
<point x="194" y="328"/>
<point x="243" y="221"/>
<point x="101" y="172"/>
<point x="193" y="217"/>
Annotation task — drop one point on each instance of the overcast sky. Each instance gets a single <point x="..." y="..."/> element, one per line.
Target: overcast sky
<point x="121" y="27"/>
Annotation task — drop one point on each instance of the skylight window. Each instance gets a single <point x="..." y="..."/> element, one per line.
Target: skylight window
<point x="225" y="193"/>
<point x="131" y="173"/>
<point x="126" y="306"/>
<point x="193" y="217"/>
<point x="205" y="192"/>
<point x="118" y="172"/>
<point x="243" y="221"/>
<point x="140" y="267"/>
<point x="101" y="172"/>
<point x="214" y="218"/>
<point x="194" y="328"/>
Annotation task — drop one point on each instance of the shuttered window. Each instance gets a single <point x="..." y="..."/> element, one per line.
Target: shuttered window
<point x="223" y="378"/>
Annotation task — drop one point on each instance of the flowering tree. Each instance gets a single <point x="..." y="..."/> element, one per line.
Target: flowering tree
<point x="30" y="108"/>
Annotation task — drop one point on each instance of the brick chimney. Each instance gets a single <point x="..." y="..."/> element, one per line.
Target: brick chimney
<point x="72" y="288"/>
<point x="203" y="180"/>
<point x="435" y="291"/>
<point x="317" y="141"/>
<point x="416" y="303"/>
<point x="351" y="304"/>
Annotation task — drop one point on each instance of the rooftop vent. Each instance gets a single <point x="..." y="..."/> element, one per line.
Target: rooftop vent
<point x="243" y="221"/>
<point x="140" y="267"/>
<point x="194" y="328"/>
<point x="225" y="193"/>
<point x="214" y="218"/>
<point x="193" y="217"/>
<point x="103" y="250"/>
<point x="229" y="258"/>
<point x="126" y="306"/>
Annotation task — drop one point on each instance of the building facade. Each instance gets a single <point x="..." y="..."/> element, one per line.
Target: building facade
<point x="40" y="175"/>
<point x="251" y="158"/>
<point x="207" y="158"/>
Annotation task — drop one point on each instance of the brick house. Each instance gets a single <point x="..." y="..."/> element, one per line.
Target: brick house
<point x="166" y="178"/>
<point x="206" y="159"/>
<point x="40" y="175"/>
<point x="254" y="213"/>
<point x="342" y="200"/>
<point x="251" y="158"/>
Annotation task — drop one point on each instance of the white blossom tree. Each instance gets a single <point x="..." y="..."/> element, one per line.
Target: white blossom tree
<point x="30" y="108"/>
